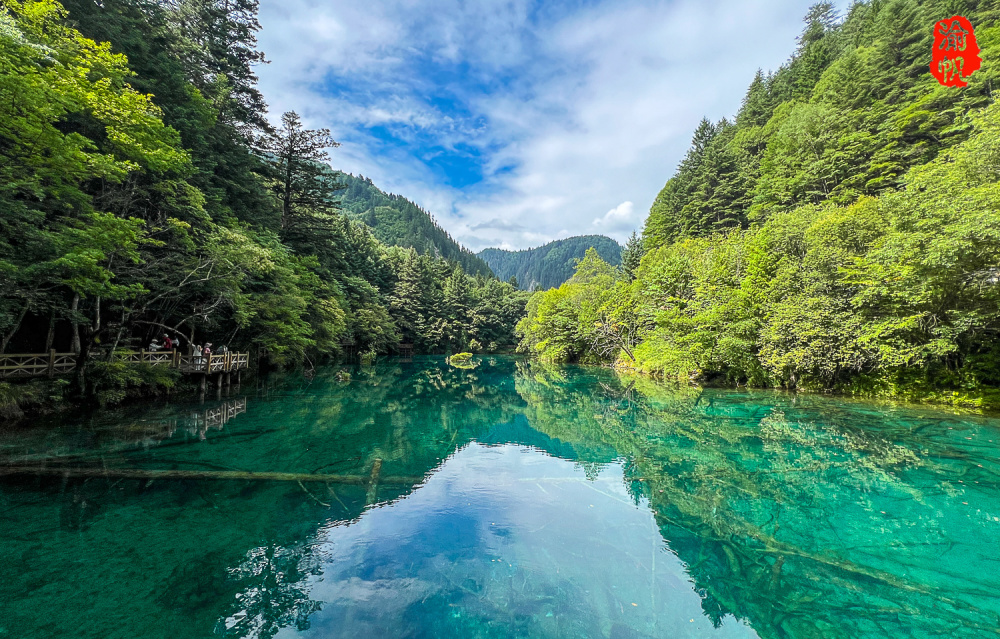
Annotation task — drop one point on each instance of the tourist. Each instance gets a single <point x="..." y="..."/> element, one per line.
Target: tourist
<point x="154" y="346"/>
<point x="197" y="354"/>
<point x="168" y="344"/>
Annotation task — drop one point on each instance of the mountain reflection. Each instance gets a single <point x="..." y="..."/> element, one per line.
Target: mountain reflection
<point x="781" y="514"/>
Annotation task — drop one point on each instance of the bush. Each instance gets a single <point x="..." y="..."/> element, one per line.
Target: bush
<point x="14" y="398"/>
<point x="110" y="383"/>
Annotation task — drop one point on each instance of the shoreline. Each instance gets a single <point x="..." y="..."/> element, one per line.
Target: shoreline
<point x="983" y="401"/>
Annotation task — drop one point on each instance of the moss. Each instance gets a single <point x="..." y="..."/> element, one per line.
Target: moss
<point x="461" y="360"/>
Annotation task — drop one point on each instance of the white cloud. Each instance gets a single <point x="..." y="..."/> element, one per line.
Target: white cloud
<point x="621" y="219"/>
<point x="575" y="111"/>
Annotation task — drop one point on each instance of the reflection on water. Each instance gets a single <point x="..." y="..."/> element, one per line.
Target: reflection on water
<point x="509" y="499"/>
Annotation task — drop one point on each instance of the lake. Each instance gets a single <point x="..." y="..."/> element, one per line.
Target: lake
<point x="511" y="499"/>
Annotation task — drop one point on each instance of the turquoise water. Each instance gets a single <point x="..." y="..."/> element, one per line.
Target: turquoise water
<point x="508" y="500"/>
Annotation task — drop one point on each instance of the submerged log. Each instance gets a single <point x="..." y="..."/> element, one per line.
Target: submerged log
<point x="141" y="473"/>
<point x="373" y="481"/>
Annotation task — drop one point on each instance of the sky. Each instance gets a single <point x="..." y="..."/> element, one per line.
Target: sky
<point x="517" y="122"/>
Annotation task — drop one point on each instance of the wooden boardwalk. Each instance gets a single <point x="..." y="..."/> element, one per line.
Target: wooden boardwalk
<point x="51" y="364"/>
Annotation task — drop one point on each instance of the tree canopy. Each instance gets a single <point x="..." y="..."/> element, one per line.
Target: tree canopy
<point x="840" y="232"/>
<point x="144" y="193"/>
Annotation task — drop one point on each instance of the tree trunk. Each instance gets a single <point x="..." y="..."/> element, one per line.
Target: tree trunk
<point x="97" y="315"/>
<point x="75" y="346"/>
<point x="90" y="333"/>
<point x="81" y="363"/>
<point x="286" y="204"/>
<point x="52" y="332"/>
<point x="118" y="336"/>
<point x="13" y="330"/>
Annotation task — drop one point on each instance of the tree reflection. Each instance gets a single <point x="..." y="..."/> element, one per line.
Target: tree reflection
<point x="792" y="525"/>
<point x="792" y="514"/>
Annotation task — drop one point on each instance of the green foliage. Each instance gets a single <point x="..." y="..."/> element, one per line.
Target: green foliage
<point x="439" y="308"/>
<point x="396" y="221"/>
<point x="898" y="294"/>
<point x="110" y="383"/>
<point x="143" y="192"/>
<point x="852" y="110"/>
<point x="632" y="256"/>
<point x="551" y="264"/>
<point x="560" y="325"/>
<point x="16" y="398"/>
<point x="840" y="233"/>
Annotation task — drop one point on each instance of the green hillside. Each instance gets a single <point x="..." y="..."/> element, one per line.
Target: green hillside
<point x="396" y="221"/>
<point x="840" y="233"/>
<point x="846" y="117"/>
<point x="551" y="264"/>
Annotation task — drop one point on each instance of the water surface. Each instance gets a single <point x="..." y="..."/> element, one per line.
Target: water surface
<point x="508" y="500"/>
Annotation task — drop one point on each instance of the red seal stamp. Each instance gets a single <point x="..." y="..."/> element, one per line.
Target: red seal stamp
<point x="956" y="54"/>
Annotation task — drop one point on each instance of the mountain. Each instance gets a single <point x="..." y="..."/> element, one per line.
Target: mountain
<point x="551" y="264"/>
<point x="396" y="221"/>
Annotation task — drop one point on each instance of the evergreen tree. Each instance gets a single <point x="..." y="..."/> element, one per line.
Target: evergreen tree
<point x="632" y="255"/>
<point x="302" y="181"/>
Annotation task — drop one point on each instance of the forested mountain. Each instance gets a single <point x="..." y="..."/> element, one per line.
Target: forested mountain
<point x="144" y="192"/>
<point x="852" y="110"/>
<point x="551" y="264"/>
<point x="396" y="221"/>
<point x="842" y="231"/>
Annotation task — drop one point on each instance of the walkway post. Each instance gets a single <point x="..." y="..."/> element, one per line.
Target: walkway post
<point x="52" y="362"/>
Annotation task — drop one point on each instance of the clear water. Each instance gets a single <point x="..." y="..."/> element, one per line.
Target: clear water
<point x="509" y="500"/>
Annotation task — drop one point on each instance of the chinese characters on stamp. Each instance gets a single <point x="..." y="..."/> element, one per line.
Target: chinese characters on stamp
<point x="955" y="55"/>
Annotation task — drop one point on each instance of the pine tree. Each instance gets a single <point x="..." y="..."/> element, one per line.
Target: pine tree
<point x="456" y="306"/>
<point x="406" y="301"/>
<point x="666" y="221"/>
<point x="632" y="255"/>
<point x="757" y="105"/>
<point x="302" y="181"/>
<point x="217" y="39"/>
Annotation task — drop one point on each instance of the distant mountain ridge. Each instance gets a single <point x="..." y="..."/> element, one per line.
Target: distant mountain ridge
<point x="396" y="221"/>
<point x="551" y="264"/>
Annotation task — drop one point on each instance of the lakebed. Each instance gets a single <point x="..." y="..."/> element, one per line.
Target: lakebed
<point x="510" y="498"/>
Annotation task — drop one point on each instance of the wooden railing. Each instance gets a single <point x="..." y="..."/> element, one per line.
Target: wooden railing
<point x="36" y="364"/>
<point x="223" y="362"/>
<point x="16" y="365"/>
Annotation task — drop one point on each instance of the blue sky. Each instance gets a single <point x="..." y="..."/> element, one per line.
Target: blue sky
<point x="515" y="122"/>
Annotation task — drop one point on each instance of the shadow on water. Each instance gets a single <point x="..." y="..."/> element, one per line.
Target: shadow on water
<point x="797" y="516"/>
